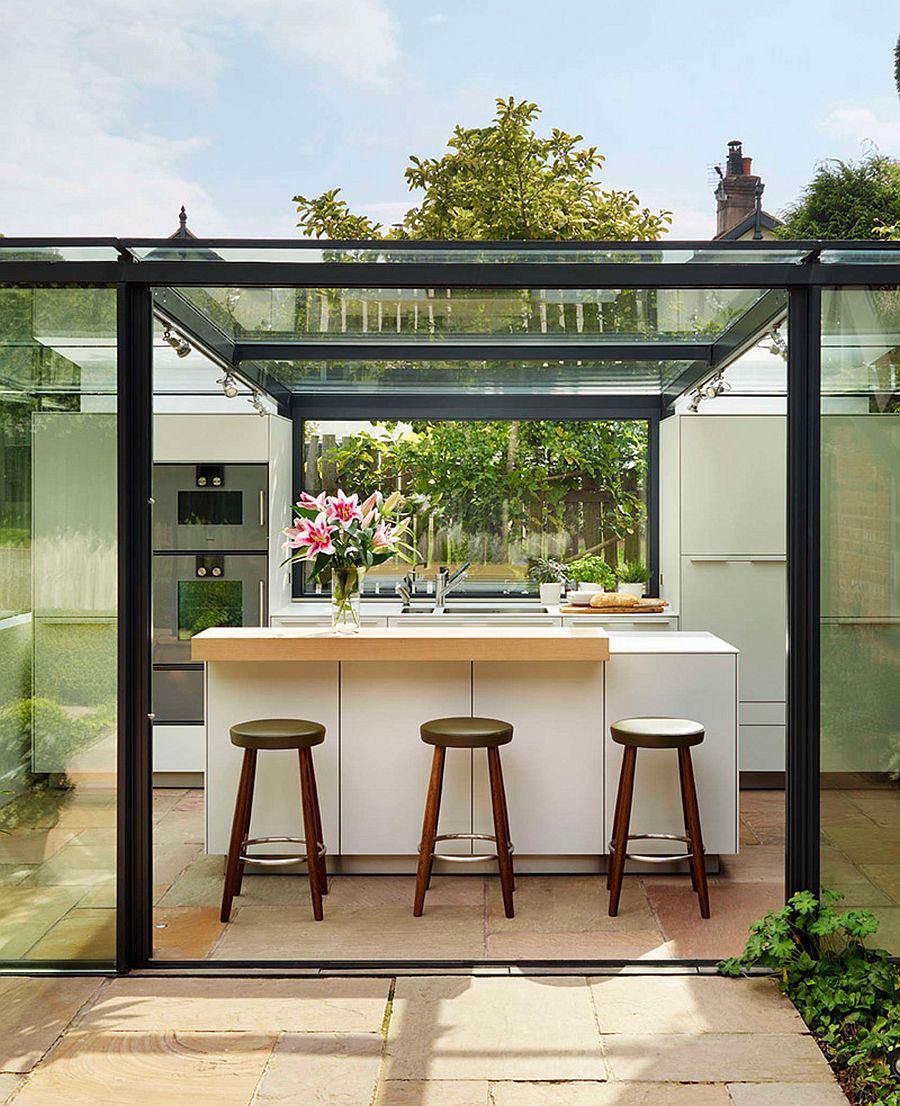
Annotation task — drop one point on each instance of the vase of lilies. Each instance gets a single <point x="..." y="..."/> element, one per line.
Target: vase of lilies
<point x="340" y="535"/>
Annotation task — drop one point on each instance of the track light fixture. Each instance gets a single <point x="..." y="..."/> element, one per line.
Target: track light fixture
<point x="229" y="385"/>
<point x="181" y="345"/>
<point x="257" y="404"/>
<point x="776" y="343"/>
<point x="712" y="389"/>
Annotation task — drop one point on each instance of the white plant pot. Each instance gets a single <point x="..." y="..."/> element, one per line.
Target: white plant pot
<point x="637" y="590"/>
<point x="550" y="594"/>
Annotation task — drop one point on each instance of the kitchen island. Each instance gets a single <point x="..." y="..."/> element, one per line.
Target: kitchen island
<point x="559" y="687"/>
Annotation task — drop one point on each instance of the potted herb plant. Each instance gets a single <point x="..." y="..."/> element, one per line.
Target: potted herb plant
<point x="550" y="576"/>
<point x="591" y="569"/>
<point x="633" y="577"/>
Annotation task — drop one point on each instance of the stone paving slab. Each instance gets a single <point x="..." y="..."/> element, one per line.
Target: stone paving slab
<point x="692" y="1004"/>
<point x="716" y="1058"/>
<point x="505" y="1028"/>
<point x="149" y="1069"/>
<point x="34" y="1012"/>
<point x="786" y="1094"/>
<point x="333" y="1069"/>
<point x="250" y="1005"/>
<point x="455" y="1092"/>
<point x="611" y="1094"/>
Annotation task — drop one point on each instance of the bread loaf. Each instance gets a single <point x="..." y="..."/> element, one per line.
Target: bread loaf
<point x="613" y="599"/>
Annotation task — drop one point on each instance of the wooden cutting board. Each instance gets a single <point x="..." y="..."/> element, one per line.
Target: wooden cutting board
<point x="644" y="606"/>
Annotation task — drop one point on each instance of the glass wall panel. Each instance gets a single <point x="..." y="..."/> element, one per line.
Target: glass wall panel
<point x="860" y="627"/>
<point x="500" y="494"/>
<point x="58" y="612"/>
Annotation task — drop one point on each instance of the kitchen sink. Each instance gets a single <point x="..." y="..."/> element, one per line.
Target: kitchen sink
<point x="470" y="609"/>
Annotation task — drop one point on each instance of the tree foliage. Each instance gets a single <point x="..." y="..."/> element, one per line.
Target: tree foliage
<point x="502" y="181"/>
<point x="847" y="199"/>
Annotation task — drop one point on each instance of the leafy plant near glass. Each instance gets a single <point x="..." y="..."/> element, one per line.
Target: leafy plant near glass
<point x="591" y="569"/>
<point x="847" y="993"/>
<point x="337" y="534"/>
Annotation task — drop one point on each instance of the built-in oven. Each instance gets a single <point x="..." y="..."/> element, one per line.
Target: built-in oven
<point x="193" y="592"/>
<point x="219" y="508"/>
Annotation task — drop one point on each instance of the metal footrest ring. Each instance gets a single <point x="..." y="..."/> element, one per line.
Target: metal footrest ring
<point x="274" y="861"/>
<point x="462" y="859"/>
<point x="664" y="859"/>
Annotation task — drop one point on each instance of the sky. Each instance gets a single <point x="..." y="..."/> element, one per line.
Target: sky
<point x="113" y="113"/>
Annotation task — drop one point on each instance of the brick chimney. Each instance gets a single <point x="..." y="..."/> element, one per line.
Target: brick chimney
<point x="738" y="191"/>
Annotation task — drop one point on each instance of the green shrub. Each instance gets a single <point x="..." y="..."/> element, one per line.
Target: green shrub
<point x="591" y="569"/>
<point x="545" y="570"/>
<point x="848" y="994"/>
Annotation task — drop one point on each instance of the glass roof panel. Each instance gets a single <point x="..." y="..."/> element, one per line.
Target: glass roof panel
<point x="861" y="341"/>
<point x="401" y="377"/>
<point x="885" y="255"/>
<point x="9" y="251"/>
<point x="395" y="252"/>
<point x="441" y="315"/>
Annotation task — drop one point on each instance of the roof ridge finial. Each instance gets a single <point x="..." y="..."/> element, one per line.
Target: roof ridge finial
<point x="182" y="218"/>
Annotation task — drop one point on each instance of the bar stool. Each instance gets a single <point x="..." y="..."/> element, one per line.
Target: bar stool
<point x="466" y="733"/>
<point x="657" y="733"/>
<point x="265" y="734"/>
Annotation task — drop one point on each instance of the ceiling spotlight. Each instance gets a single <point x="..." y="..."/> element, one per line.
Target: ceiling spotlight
<point x="229" y="385"/>
<point x="776" y="343"/>
<point x="257" y="404"/>
<point x="181" y="345"/>
<point x="694" y="406"/>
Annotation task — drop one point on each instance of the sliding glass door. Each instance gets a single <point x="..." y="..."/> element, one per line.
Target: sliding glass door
<point x="58" y="625"/>
<point x="860" y="614"/>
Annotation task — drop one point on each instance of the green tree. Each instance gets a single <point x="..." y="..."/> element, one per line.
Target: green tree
<point x="847" y="200"/>
<point x="502" y="181"/>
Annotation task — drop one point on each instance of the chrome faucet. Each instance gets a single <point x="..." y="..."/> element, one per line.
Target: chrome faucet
<point x="406" y="589"/>
<point x="446" y="582"/>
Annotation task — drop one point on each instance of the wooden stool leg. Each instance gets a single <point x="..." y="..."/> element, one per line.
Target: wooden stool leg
<point x="250" y="755"/>
<point x="684" y="812"/>
<point x="620" y="830"/>
<point x="429" y="829"/>
<point x="505" y="815"/>
<point x="309" y="832"/>
<point x="501" y="831"/>
<point x="698" y="863"/>
<point x="317" y="816"/>
<point x="615" y="825"/>
<point x="242" y="806"/>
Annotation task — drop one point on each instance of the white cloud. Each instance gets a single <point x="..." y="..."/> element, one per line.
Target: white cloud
<point x="859" y="125"/>
<point x="71" y="76"/>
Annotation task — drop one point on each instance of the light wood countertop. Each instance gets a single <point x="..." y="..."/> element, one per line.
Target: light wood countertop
<point x="417" y="643"/>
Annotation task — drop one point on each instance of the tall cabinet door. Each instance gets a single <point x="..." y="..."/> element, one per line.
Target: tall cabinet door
<point x="741" y="601"/>
<point x="733" y="475"/>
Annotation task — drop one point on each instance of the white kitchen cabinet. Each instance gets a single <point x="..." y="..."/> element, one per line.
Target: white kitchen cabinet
<point x="700" y="687"/>
<point x="385" y="765"/>
<point x="744" y="602"/>
<point x="639" y="623"/>
<point x="555" y="759"/>
<point x="290" y="691"/>
<point x="210" y="439"/>
<point x="321" y="619"/>
<point x="733" y="484"/>
<point x="762" y="748"/>
<point x="178" y="749"/>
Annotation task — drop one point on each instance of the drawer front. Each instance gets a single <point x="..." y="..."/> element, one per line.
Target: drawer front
<point x="762" y="748"/>
<point x="322" y="620"/>
<point x="763" y="714"/>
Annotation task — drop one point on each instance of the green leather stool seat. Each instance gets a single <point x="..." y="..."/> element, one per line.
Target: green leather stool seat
<point x="277" y="733"/>
<point x="657" y="733"/>
<point x="466" y="733"/>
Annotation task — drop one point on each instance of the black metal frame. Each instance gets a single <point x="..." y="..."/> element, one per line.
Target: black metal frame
<point x="135" y="279"/>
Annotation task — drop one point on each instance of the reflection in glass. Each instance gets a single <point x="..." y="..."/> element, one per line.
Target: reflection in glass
<point x="860" y="628"/>
<point x="58" y="624"/>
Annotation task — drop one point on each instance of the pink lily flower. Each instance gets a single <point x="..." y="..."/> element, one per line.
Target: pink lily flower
<point x="383" y="538"/>
<point x="295" y="534"/>
<point x="317" y="536"/>
<point x="343" y="508"/>
<point x="312" y="502"/>
<point x="369" y="504"/>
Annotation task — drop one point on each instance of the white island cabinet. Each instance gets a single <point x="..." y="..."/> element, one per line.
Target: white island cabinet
<point x="559" y="687"/>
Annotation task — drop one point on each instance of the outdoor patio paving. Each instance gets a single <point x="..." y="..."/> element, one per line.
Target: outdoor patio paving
<point x="57" y="872"/>
<point x="446" y="1040"/>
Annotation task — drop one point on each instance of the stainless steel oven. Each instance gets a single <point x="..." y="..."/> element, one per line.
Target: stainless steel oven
<point x="192" y="592"/>
<point x="210" y="507"/>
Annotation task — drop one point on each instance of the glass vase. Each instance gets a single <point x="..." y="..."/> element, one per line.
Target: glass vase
<point x="346" y="592"/>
